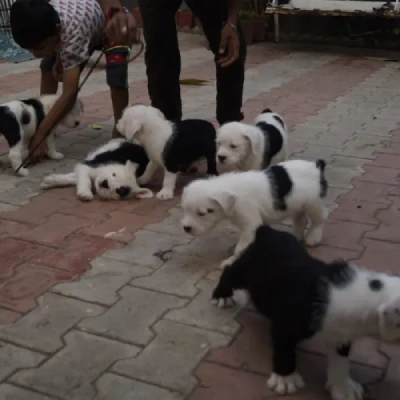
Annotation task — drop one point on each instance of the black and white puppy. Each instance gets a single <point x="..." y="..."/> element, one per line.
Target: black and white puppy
<point x="19" y="120"/>
<point x="292" y="189"/>
<point x="112" y="171"/>
<point x="173" y="146"/>
<point x="304" y="297"/>
<point x="245" y="147"/>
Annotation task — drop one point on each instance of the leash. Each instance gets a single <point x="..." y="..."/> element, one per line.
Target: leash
<point x="92" y="68"/>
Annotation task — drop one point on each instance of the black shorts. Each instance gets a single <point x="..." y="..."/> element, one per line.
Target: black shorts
<point x="116" y="65"/>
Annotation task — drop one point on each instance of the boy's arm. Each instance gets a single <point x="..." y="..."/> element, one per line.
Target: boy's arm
<point x="61" y="107"/>
<point x="121" y="27"/>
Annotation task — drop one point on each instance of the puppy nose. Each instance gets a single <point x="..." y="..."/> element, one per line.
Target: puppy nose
<point x="123" y="191"/>
<point x="187" y="228"/>
<point x="221" y="158"/>
<point x="77" y="123"/>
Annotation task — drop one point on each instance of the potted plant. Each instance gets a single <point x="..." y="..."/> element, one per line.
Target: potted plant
<point x="247" y="25"/>
<point x="185" y="18"/>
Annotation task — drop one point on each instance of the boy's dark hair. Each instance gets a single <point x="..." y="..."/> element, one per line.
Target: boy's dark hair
<point x="33" y="21"/>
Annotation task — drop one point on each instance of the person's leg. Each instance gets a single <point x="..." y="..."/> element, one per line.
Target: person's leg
<point x="230" y="80"/>
<point x="162" y="57"/>
<point x="117" y="56"/>
<point x="48" y="83"/>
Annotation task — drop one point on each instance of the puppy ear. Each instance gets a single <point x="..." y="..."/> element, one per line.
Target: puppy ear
<point x="389" y="320"/>
<point x="226" y="201"/>
<point x="128" y="128"/>
<point x="253" y="135"/>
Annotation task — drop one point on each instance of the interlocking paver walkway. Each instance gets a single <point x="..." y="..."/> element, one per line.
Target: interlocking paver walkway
<point x="110" y="300"/>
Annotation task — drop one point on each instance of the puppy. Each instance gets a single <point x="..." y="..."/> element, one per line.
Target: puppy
<point x="19" y="120"/>
<point x="291" y="189"/>
<point x="304" y="297"/>
<point x="173" y="146"/>
<point x="245" y="147"/>
<point x="111" y="169"/>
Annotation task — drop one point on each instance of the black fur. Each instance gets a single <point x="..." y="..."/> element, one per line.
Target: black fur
<point x="273" y="142"/>
<point x="9" y="126"/>
<point x="191" y="140"/>
<point x="39" y="110"/>
<point x="321" y="165"/>
<point x="125" y="152"/>
<point x="281" y="185"/>
<point x="286" y="285"/>
<point x="266" y="111"/>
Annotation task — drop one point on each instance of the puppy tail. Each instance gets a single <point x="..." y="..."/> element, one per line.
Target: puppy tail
<point x="266" y="111"/>
<point x="321" y="165"/>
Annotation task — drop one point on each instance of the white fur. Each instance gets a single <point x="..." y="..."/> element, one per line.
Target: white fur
<point x="26" y="132"/>
<point x="245" y="198"/>
<point x="285" y="384"/>
<point x="86" y="177"/>
<point x="149" y="126"/>
<point x="243" y="145"/>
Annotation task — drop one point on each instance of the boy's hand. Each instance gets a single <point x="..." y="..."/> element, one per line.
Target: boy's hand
<point x="120" y="25"/>
<point x="40" y="152"/>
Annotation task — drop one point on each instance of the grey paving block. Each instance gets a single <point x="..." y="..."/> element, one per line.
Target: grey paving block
<point x="43" y="327"/>
<point x="102" y="282"/>
<point x="148" y="248"/>
<point x="10" y="392"/>
<point x="115" y="387"/>
<point x="70" y="373"/>
<point x="13" y="358"/>
<point x="201" y="313"/>
<point x="178" y="276"/>
<point x="131" y="318"/>
<point x="171" y="357"/>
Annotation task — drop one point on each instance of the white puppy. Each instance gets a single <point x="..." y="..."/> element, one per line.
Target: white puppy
<point x="245" y="147"/>
<point x="19" y="120"/>
<point x="111" y="169"/>
<point x="291" y="189"/>
<point x="172" y="146"/>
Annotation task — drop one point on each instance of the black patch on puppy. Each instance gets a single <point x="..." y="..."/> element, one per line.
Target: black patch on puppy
<point x="191" y="140"/>
<point x="37" y="106"/>
<point x="273" y="142"/>
<point x="321" y="164"/>
<point x="125" y="152"/>
<point x="104" y="184"/>
<point x="266" y="111"/>
<point x="25" y="117"/>
<point x="279" y="119"/>
<point x="276" y="269"/>
<point x="344" y="350"/>
<point x="9" y="126"/>
<point x="281" y="185"/>
<point x="375" y="285"/>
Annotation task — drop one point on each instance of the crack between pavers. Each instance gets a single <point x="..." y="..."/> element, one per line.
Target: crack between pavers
<point x="34" y="390"/>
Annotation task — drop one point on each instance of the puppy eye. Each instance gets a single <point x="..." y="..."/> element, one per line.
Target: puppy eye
<point x="201" y="214"/>
<point x="114" y="174"/>
<point x="233" y="146"/>
<point x="210" y="210"/>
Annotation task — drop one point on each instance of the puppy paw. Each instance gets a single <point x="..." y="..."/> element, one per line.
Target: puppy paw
<point x="55" y="156"/>
<point x="223" y="302"/>
<point x="47" y="182"/>
<point x="144" y="194"/>
<point x="227" y="262"/>
<point x="350" y="390"/>
<point x="23" y="172"/>
<point x="313" y="237"/>
<point x="85" y="196"/>
<point x="285" y="384"/>
<point x="165" y="194"/>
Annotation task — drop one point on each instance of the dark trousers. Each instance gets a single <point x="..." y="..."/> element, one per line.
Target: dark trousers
<point x="163" y="60"/>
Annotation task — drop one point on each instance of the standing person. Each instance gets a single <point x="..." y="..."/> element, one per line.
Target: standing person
<point x="220" y="22"/>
